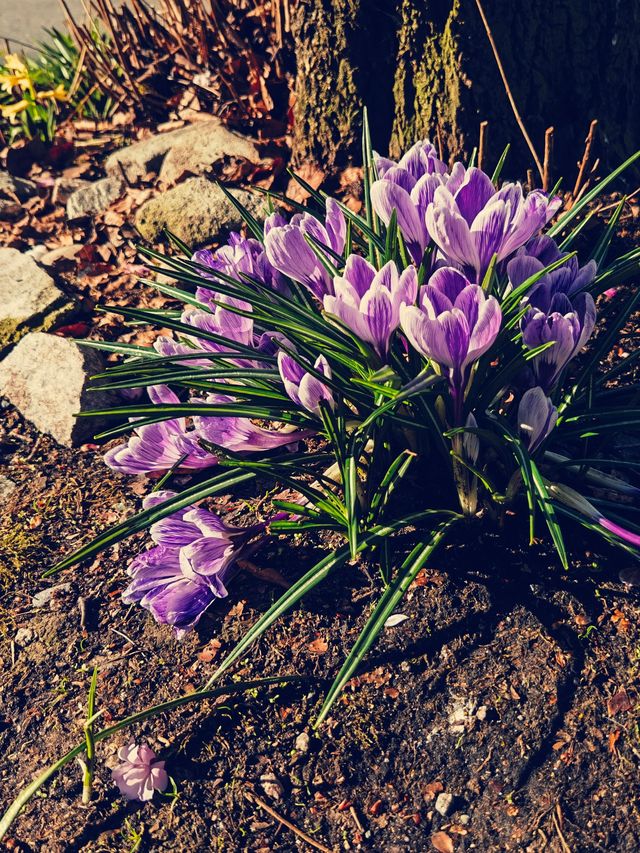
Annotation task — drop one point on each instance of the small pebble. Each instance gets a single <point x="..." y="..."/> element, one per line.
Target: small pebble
<point x="302" y="743"/>
<point x="481" y="713"/>
<point x="23" y="636"/>
<point x="444" y="802"/>
<point x="45" y="596"/>
<point x="272" y="786"/>
<point x="464" y="819"/>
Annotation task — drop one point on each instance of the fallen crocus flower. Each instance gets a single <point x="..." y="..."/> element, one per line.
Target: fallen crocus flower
<point x="139" y="774"/>
<point x="576" y="501"/>
<point x="190" y="565"/>
<point x="156" y="448"/>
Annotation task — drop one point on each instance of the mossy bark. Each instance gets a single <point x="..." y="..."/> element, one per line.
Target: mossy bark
<point x="344" y="50"/>
<point x="425" y="68"/>
<point x="567" y="61"/>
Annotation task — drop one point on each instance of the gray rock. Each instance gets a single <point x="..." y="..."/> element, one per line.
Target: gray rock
<point x="444" y="802"/>
<point x="29" y="298"/>
<point x="24" y="636"/>
<point x="194" y="149"/>
<point x="196" y="211"/>
<point x="7" y="488"/>
<point x="46" y="596"/>
<point x="95" y="197"/>
<point x="302" y="743"/>
<point x="45" y="377"/>
<point x="208" y="147"/>
<point x="13" y="188"/>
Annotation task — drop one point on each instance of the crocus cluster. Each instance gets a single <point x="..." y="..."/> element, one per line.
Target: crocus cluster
<point x="189" y="566"/>
<point x="436" y="308"/>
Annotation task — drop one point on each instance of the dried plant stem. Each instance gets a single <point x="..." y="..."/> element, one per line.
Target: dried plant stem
<point x="548" y="155"/>
<point x="523" y="129"/>
<point x="588" y="145"/>
<point x="274" y="814"/>
<point x="483" y="143"/>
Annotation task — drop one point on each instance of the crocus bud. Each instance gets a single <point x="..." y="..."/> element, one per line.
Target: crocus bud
<point x="303" y="388"/>
<point x="537" y="416"/>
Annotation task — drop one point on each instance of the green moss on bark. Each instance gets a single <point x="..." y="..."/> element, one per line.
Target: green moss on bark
<point x="328" y="91"/>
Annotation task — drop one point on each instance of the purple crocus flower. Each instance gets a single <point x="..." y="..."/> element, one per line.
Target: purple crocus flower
<point x="288" y="251"/>
<point x="242" y="435"/>
<point x="303" y="388"/>
<point x="537" y="416"/>
<point x="190" y="565"/>
<point x="241" y="257"/>
<point x="408" y="187"/>
<point x="139" y="774"/>
<point x="567" y="325"/>
<point x="476" y="221"/>
<point x="156" y="448"/>
<point x="570" y="278"/>
<point x="368" y="301"/>
<point x="454" y="323"/>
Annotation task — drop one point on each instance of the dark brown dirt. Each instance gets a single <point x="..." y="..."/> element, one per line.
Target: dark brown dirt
<point x="512" y="686"/>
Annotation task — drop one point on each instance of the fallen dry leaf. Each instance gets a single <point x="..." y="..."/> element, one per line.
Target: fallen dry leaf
<point x="442" y="842"/>
<point x="618" y="703"/>
<point x="318" y="647"/>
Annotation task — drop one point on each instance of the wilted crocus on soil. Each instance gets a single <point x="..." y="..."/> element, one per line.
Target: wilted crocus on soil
<point x="155" y="448"/>
<point x="139" y="774"/>
<point x="453" y="324"/>
<point x="304" y="389"/>
<point x="368" y="301"/>
<point x="193" y="558"/>
<point x="478" y="221"/>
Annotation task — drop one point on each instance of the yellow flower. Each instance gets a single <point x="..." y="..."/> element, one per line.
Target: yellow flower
<point x="10" y="111"/>
<point x="18" y="74"/>
<point x="13" y="62"/>
<point x="57" y="94"/>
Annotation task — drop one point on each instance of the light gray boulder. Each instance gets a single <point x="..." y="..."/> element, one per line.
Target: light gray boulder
<point x="46" y="377"/>
<point x="197" y="211"/>
<point x="29" y="298"/>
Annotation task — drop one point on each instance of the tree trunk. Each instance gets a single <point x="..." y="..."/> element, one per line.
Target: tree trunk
<point x="337" y="71"/>
<point x="425" y="68"/>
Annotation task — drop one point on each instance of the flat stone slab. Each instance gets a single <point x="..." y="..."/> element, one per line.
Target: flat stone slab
<point x="46" y="377"/>
<point x="95" y="197"/>
<point x="29" y="298"/>
<point x="191" y="150"/>
<point x="196" y="211"/>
